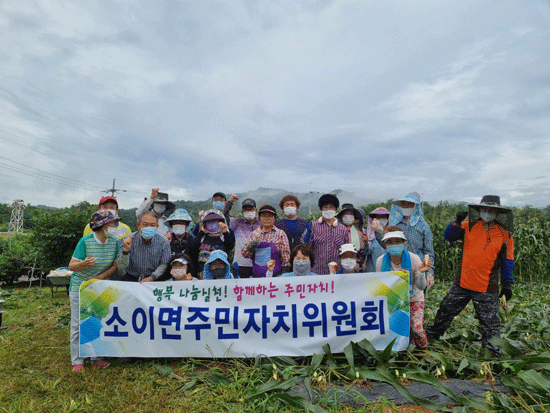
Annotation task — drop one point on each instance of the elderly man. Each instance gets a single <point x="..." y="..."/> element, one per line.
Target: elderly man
<point x="110" y="203"/>
<point x="488" y="247"/>
<point x="326" y="235"/>
<point x="146" y="253"/>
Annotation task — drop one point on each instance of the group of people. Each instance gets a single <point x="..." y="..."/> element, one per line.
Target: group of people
<point x="258" y="244"/>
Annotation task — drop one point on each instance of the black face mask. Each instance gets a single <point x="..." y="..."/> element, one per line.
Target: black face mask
<point x="218" y="273"/>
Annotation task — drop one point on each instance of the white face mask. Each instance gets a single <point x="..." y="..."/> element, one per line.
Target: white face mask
<point x="348" y="219"/>
<point x="289" y="211"/>
<point x="487" y="216"/>
<point x="329" y="214"/>
<point x="112" y="211"/>
<point x="111" y="231"/>
<point x="349" y="264"/>
<point x="159" y="208"/>
<point x="179" y="229"/>
<point x="178" y="273"/>
<point x="383" y="222"/>
<point x="249" y="215"/>
<point x="407" y="211"/>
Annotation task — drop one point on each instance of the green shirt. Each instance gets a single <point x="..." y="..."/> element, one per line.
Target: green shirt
<point x="104" y="254"/>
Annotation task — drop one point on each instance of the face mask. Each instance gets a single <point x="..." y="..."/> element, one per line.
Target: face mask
<point x="218" y="273"/>
<point x="348" y="219"/>
<point x="112" y="211"/>
<point x="395" y="250"/>
<point x="487" y="216"/>
<point x="250" y="215"/>
<point x="329" y="214"/>
<point x="301" y="267"/>
<point x="212" y="227"/>
<point x="218" y="205"/>
<point x="348" y="264"/>
<point x="179" y="229"/>
<point x="290" y="211"/>
<point x="148" y="232"/>
<point x="407" y="211"/>
<point x="178" y="273"/>
<point x="383" y="222"/>
<point x="159" y="208"/>
<point x="111" y="231"/>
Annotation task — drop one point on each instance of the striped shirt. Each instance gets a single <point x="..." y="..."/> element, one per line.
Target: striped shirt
<point x="325" y="242"/>
<point x="242" y="228"/>
<point x="147" y="259"/>
<point x="104" y="254"/>
<point x="419" y="239"/>
<point x="275" y="236"/>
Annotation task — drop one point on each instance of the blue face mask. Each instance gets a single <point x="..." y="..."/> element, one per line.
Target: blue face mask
<point x="148" y="232"/>
<point x="394" y="250"/>
<point x="218" y="205"/>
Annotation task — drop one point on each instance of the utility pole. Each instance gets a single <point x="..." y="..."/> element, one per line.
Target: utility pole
<point x="113" y="190"/>
<point x="16" y="220"/>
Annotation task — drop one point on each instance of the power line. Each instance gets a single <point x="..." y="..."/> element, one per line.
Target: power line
<point x="54" y="176"/>
<point x="45" y="178"/>
<point x="41" y="153"/>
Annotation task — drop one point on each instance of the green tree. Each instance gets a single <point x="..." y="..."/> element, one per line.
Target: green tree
<point x="15" y="254"/>
<point x="56" y="233"/>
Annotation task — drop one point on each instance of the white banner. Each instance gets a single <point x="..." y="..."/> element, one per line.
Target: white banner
<point x="291" y="316"/>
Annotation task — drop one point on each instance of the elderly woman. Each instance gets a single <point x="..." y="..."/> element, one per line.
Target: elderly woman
<point x="93" y="258"/>
<point x="406" y="213"/>
<point x="267" y="243"/>
<point x="302" y="260"/>
<point x="178" y="223"/>
<point x="397" y="258"/>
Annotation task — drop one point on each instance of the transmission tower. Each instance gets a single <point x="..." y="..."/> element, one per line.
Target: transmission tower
<point x="16" y="221"/>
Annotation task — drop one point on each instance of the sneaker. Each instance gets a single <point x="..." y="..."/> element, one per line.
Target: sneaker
<point x="78" y="368"/>
<point x="101" y="363"/>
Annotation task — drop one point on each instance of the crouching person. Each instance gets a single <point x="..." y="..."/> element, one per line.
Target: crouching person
<point x="217" y="267"/>
<point x="181" y="268"/>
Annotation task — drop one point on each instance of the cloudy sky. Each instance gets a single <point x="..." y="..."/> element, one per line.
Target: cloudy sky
<point x="448" y="98"/>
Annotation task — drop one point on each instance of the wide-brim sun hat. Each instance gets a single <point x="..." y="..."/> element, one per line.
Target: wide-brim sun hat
<point x="179" y="214"/>
<point x="100" y="218"/>
<point x="490" y="201"/>
<point x="380" y="211"/>
<point x="162" y="197"/>
<point x="413" y="197"/>
<point x="350" y="207"/>
<point x="213" y="215"/>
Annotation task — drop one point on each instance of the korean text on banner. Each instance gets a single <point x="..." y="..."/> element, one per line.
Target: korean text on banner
<point x="291" y="316"/>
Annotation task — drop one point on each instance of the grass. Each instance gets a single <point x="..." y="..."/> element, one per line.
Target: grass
<point x="36" y="376"/>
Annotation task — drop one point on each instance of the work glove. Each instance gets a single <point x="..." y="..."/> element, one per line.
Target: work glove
<point x="506" y="291"/>
<point x="461" y="216"/>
